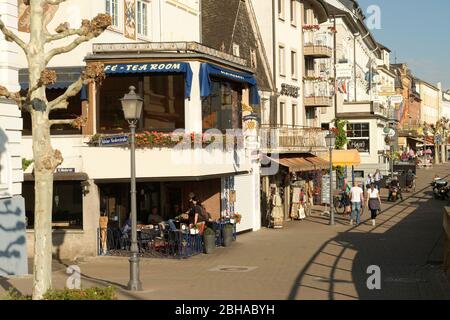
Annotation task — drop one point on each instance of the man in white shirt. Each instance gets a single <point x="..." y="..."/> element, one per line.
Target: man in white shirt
<point x="357" y="199"/>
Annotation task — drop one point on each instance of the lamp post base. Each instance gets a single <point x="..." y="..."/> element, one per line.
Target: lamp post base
<point x="134" y="284"/>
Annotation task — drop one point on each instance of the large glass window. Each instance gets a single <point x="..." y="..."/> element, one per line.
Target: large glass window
<point x="358" y="136"/>
<point x="223" y="108"/>
<point x="163" y="108"/>
<point x="67" y="204"/>
<point x="73" y="111"/>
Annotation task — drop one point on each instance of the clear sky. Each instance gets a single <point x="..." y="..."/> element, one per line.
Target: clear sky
<point x="418" y="33"/>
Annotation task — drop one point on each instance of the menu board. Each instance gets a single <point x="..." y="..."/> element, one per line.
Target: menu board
<point x="325" y="194"/>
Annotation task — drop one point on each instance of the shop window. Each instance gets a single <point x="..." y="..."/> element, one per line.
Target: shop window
<point x="73" y="111"/>
<point x="359" y="136"/>
<point x="163" y="108"/>
<point x="223" y="108"/>
<point x="67" y="204"/>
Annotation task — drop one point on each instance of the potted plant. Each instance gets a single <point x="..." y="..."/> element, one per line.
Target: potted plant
<point x="209" y="240"/>
<point x="228" y="230"/>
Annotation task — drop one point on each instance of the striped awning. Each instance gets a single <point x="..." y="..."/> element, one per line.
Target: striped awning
<point x="300" y="163"/>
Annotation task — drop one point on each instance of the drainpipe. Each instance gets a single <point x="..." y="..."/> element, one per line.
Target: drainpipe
<point x="354" y="65"/>
<point x="200" y="38"/>
<point x="335" y="64"/>
<point x="274" y="100"/>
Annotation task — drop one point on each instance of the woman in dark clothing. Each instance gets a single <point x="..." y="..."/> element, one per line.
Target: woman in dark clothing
<point x="196" y="213"/>
<point x="373" y="202"/>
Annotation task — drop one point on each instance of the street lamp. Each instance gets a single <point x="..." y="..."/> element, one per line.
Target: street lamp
<point x="425" y="155"/>
<point x="331" y="142"/>
<point x="132" y="107"/>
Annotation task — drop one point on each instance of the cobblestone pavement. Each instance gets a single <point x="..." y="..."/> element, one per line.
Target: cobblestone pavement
<point x="305" y="260"/>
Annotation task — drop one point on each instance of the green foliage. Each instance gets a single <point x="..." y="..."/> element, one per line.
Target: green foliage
<point x="341" y="134"/>
<point x="228" y="226"/>
<point x="15" y="295"/>
<point x="26" y="163"/>
<point x="94" y="293"/>
<point x="209" y="232"/>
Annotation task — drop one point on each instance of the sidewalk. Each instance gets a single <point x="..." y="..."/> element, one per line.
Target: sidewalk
<point x="305" y="260"/>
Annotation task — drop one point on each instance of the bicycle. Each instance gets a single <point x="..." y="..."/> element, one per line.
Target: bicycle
<point x="339" y="203"/>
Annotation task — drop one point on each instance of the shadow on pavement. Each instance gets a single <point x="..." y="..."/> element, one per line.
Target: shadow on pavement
<point x="402" y="245"/>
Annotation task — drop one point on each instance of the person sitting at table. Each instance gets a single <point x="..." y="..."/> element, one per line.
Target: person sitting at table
<point x="154" y="217"/>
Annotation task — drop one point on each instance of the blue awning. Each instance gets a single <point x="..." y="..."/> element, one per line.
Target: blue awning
<point x="159" y="67"/>
<point x="207" y="70"/>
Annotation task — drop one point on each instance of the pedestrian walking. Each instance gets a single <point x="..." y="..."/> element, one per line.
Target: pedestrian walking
<point x="357" y="199"/>
<point x="377" y="177"/>
<point x="369" y="181"/>
<point x="373" y="202"/>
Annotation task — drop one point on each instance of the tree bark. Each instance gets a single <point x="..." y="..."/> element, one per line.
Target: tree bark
<point x="43" y="155"/>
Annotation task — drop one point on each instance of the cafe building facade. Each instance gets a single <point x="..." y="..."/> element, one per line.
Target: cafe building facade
<point x="194" y="136"/>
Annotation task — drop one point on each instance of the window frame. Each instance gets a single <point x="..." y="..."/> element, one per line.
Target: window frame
<point x="293" y="13"/>
<point x="281" y="10"/>
<point x="360" y="137"/>
<point x="282" y="60"/>
<point x="115" y="14"/>
<point x="142" y="20"/>
<point x="294" y="65"/>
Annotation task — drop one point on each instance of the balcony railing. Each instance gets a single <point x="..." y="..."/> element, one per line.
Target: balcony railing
<point x="318" y="43"/>
<point x="318" y="93"/>
<point x="292" y="139"/>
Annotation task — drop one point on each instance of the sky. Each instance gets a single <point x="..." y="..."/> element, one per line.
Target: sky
<point x="418" y="33"/>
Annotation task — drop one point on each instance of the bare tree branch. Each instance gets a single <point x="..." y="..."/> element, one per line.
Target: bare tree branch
<point x="12" y="37"/>
<point x="93" y="72"/>
<point x="72" y="90"/>
<point x="60" y="121"/>
<point x="12" y="95"/>
<point x="88" y="30"/>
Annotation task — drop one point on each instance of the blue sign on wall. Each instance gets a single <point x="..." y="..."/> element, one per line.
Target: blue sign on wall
<point x="114" y="141"/>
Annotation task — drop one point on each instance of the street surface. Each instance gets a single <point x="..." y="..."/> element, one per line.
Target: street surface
<point x="305" y="260"/>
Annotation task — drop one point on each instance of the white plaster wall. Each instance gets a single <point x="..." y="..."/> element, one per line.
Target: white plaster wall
<point x="11" y="123"/>
<point x="160" y="28"/>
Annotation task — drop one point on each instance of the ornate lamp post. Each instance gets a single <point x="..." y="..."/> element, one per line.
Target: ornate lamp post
<point x="132" y="107"/>
<point x="331" y="142"/>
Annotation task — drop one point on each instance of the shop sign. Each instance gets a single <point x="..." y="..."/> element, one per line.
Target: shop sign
<point x="397" y="99"/>
<point x="289" y="90"/>
<point x="362" y="145"/>
<point x="114" y="140"/>
<point x="145" y="67"/>
<point x="344" y="71"/>
<point x="325" y="195"/>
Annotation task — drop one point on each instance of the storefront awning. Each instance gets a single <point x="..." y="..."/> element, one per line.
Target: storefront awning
<point x="159" y="67"/>
<point x="61" y="176"/>
<point x="207" y="70"/>
<point x="302" y="163"/>
<point x="344" y="158"/>
<point x="65" y="76"/>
